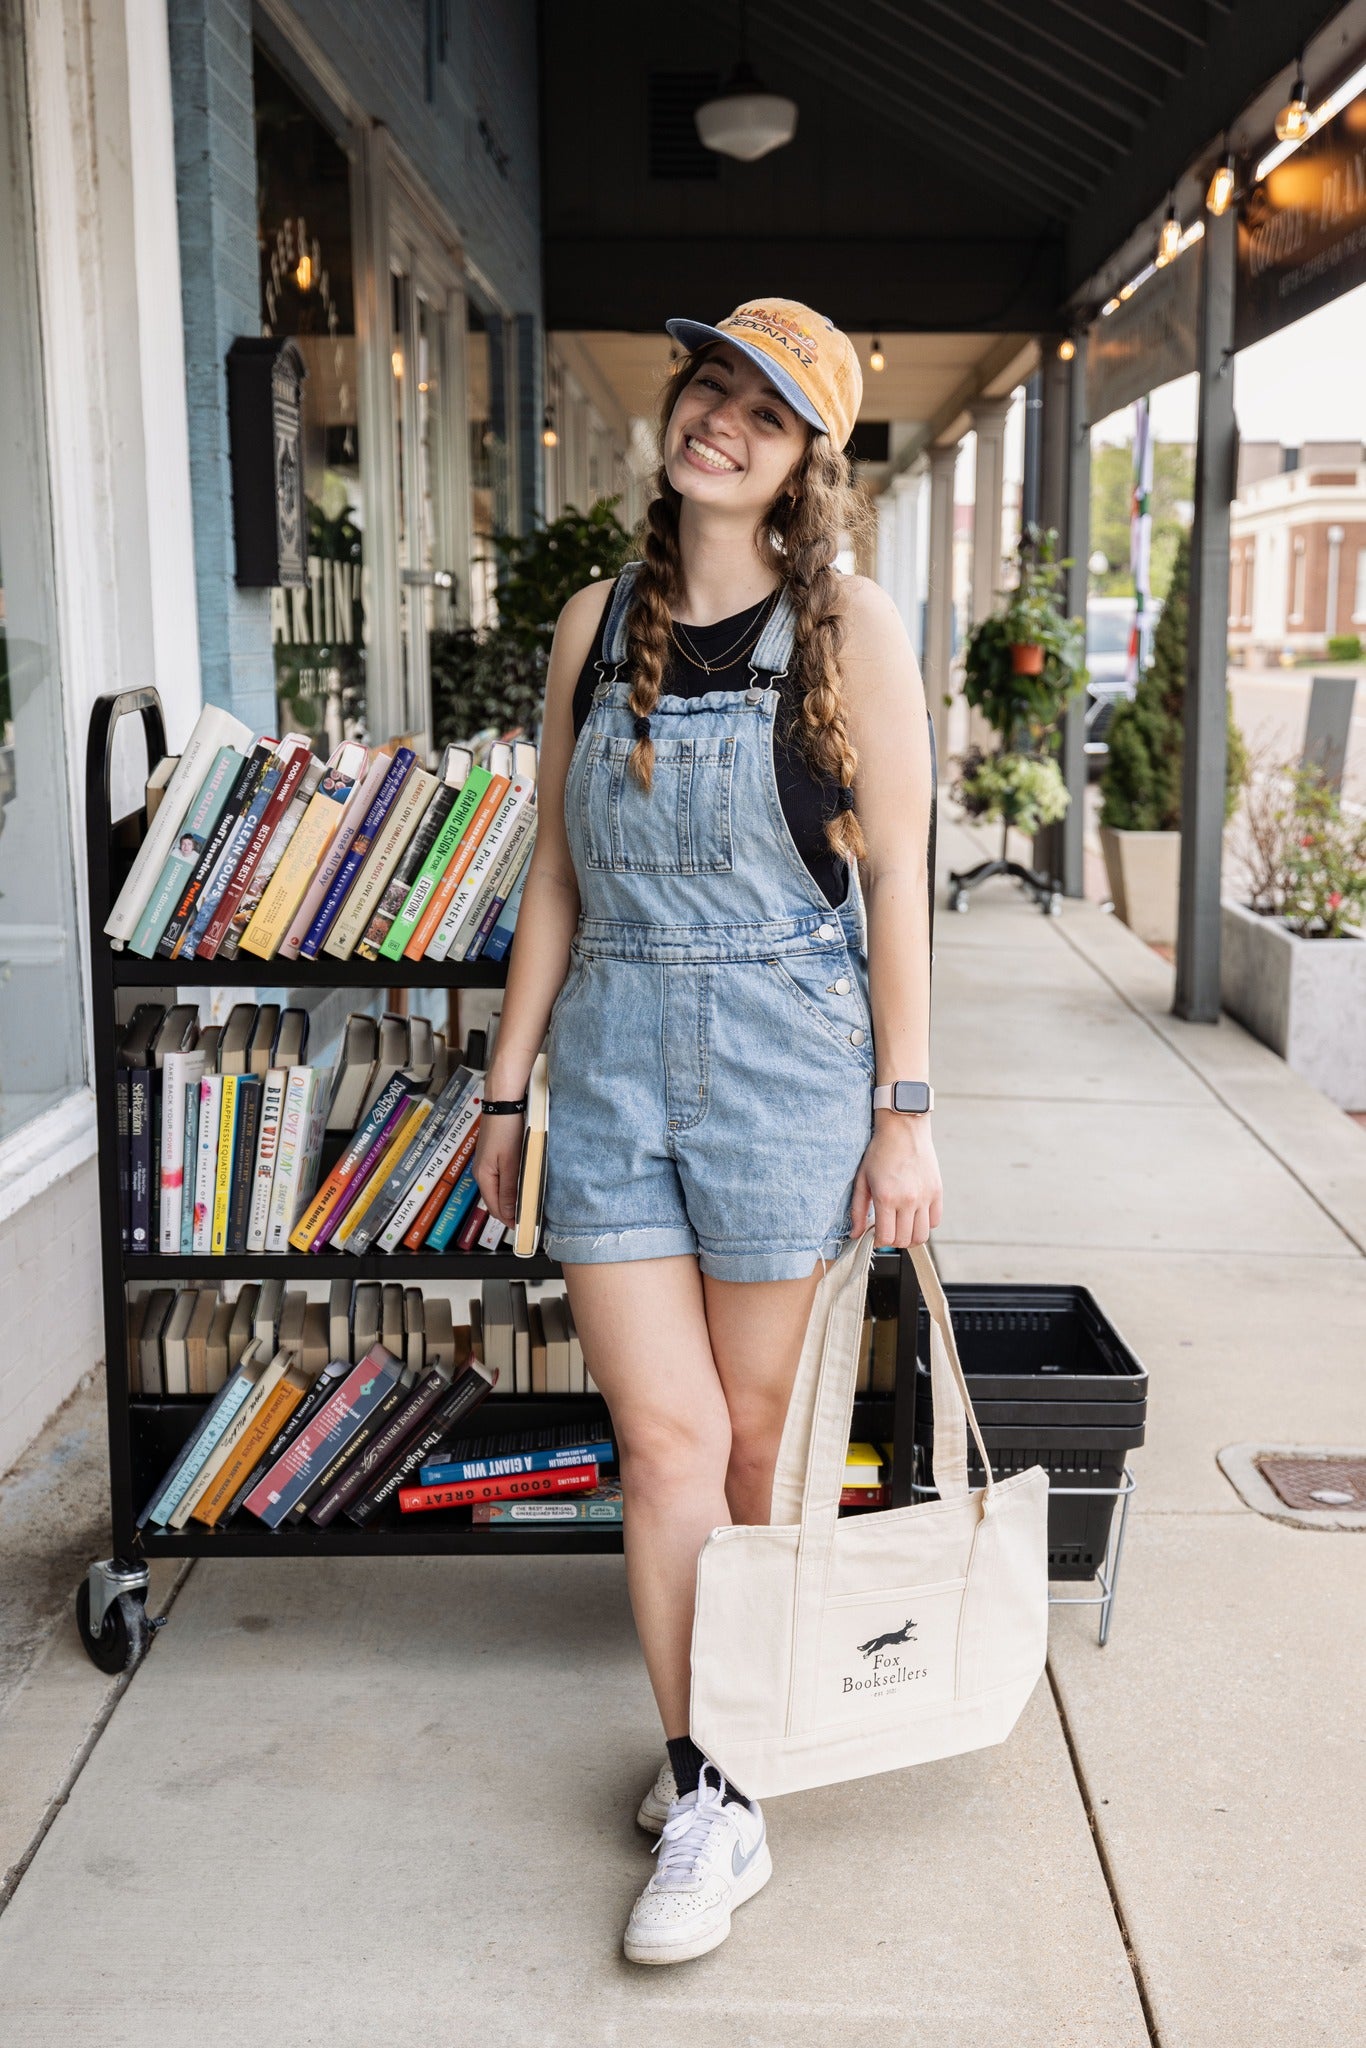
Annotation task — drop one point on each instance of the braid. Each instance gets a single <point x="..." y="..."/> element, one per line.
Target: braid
<point x="800" y="540"/>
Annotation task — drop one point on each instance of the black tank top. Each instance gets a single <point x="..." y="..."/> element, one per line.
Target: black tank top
<point x="807" y="799"/>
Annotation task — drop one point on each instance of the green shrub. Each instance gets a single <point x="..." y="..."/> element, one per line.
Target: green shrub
<point x="1323" y="883"/>
<point x="1141" y="783"/>
<point x="1344" y="647"/>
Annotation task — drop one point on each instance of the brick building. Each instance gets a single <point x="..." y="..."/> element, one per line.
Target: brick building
<point x="1297" y="558"/>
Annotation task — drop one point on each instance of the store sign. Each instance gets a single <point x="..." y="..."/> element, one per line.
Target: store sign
<point x="265" y="426"/>
<point x="1302" y="231"/>
<point x="1146" y="341"/>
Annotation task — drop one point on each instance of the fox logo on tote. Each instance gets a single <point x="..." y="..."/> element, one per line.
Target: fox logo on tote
<point x="901" y="1635"/>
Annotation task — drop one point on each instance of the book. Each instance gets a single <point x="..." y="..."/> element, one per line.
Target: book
<point x="556" y="1345"/>
<point x="206" y="1162"/>
<point x="265" y="1370"/>
<point x="601" y="1506"/>
<point x="532" y="1162"/>
<point x="222" y="1186"/>
<point x="140" y="1159"/>
<point x="450" y="835"/>
<point x="351" y="1078"/>
<point x="365" y="1314"/>
<point x="297" y="1155"/>
<point x="339" y="1190"/>
<point x="216" y="1364"/>
<point x="511" y="866"/>
<point x="433" y="1203"/>
<point x="353" y="1233"/>
<point x="267" y="1147"/>
<point x="302" y="859"/>
<point x="197" y="1338"/>
<point x="396" y="1174"/>
<point x="333" y="1425"/>
<point x="465" y="1493"/>
<point x="415" y="1181"/>
<point x="175" y="1361"/>
<point x="515" y="795"/>
<point x="270" y="1305"/>
<point x="214" y="728"/>
<point x="399" y="885"/>
<point x="331" y="1376"/>
<point x="863" y="1466"/>
<point x="198" y="1447"/>
<point x="480" y="913"/>
<point x="366" y="1459"/>
<point x="472" y="1229"/>
<point x="290" y="762"/>
<point x="391" y="843"/>
<point x="459" y="1206"/>
<point x="469" y="1387"/>
<point x="158" y="782"/>
<point x="456" y="1471"/>
<point x="393" y="1047"/>
<point x="246" y="1128"/>
<point x="269" y="1415"/>
<point x="266" y="767"/>
<point x="234" y="1044"/>
<point x="438" y="902"/>
<point x="355" y="807"/>
<point x="189" y="1161"/>
<point x="277" y="846"/>
<point x="358" y="853"/>
<point x="500" y="938"/>
<point x="193" y="835"/>
<point x="242" y="1329"/>
<point x="339" y="1319"/>
<point x="205" y="868"/>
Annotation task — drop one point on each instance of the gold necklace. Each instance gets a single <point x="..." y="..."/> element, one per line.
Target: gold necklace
<point x="718" y="665"/>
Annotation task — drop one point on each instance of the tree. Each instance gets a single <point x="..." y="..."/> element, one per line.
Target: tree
<point x="1112" y="483"/>
<point x="1141" y="785"/>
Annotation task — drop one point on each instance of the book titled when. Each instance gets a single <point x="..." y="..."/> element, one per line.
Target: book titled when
<point x="526" y="1486"/>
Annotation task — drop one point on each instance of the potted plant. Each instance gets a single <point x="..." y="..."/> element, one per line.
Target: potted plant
<point x="1292" y="961"/>
<point x="1140" y="786"/>
<point x="1022" y="700"/>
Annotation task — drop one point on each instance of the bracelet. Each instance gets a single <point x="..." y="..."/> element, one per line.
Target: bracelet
<point x="503" y="1108"/>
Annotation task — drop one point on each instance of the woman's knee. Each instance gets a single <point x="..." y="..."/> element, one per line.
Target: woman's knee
<point x="665" y="1450"/>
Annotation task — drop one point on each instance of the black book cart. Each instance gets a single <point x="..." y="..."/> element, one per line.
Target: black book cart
<point x="146" y="1431"/>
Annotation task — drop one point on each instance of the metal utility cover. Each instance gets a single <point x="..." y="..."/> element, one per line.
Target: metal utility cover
<point x="1282" y="1481"/>
<point x="1309" y="1483"/>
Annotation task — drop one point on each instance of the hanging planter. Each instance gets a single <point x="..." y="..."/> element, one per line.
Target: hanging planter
<point x="1027" y="657"/>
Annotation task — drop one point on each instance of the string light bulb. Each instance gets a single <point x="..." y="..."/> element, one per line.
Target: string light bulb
<point x="1169" y="241"/>
<point x="1293" y="123"/>
<point x="303" y="272"/>
<point x="1066" y="350"/>
<point x="549" y="438"/>
<point x="876" y="359"/>
<point x="396" y="362"/>
<point x="1222" y="185"/>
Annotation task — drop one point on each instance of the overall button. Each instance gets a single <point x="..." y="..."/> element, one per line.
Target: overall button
<point x="825" y="931"/>
<point x="856" y="1037"/>
<point x="842" y="986"/>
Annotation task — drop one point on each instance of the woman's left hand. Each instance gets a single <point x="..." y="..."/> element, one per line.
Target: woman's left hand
<point x="899" y="1177"/>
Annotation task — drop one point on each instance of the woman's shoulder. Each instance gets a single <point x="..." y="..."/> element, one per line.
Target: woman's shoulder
<point x="579" y="628"/>
<point x="864" y="606"/>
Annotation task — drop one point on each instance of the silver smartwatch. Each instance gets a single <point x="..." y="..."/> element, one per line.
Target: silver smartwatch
<point x="912" y="1098"/>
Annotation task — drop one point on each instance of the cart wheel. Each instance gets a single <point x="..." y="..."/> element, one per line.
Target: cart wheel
<point x="1053" y="907"/>
<point x="123" y="1638"/>
<point x="959" y="900"/>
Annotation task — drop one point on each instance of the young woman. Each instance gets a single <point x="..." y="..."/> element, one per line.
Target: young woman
<point x="733" y="757"/>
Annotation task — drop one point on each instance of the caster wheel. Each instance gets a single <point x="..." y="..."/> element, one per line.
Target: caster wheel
<point x="123" y="1638"/>
<point x="1053" y="907"/>
<point x="959" y="901"/>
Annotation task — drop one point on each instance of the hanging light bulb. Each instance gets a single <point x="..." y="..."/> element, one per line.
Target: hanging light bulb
<point x="1169" y="241"/>
<point x="876" y="359"/>
<point x="303" y="272"/>
<point x="396" y="362"/>
<point x="549" y="438"/>
<point x="1066" y="350"/>
<point x="745" y="120"/>
<point x="1293" y="123"/>
<point x="1222" y="185"/>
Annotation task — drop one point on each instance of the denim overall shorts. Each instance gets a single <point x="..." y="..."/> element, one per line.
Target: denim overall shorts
<point x="710" y="1053"/>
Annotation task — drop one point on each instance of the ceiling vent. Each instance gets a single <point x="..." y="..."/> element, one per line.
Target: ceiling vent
<point x="676" y="150"/>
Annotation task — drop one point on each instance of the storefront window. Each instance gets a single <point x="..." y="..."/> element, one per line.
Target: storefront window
<point x="490" y="465"/>
<point x="41" y="1047"/>
<point x="304" y="234"/>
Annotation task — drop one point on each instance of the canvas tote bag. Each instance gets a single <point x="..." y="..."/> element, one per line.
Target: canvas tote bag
<point x="825" y="1649"/>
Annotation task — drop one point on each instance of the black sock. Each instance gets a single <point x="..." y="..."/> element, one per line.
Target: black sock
<point x="687" y="1761"/>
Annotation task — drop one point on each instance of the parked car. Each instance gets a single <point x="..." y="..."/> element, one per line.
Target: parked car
<point x="1109" y="622"/>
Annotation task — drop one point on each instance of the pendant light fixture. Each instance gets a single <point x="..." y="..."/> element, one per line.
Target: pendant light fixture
<point x="745" y="120"/>
<point x="1222" y="186"/>
<point x="1067" y="348"/>
<point x="876" y="359"/>
<point x="1293" y="123"/>
<point x="549" y="437"/>
<point x="1169" y="241"/>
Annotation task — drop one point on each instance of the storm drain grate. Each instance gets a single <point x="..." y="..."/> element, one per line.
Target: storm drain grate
<point x="1309" y="1483"/>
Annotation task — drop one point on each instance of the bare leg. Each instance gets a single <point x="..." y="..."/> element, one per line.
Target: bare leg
<point x="644" y="1331"/>
<point x="756" y="1329"/>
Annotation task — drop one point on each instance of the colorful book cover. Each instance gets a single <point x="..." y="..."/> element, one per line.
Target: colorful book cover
<point x="517" y="793"/>
<point x="191" y="1163"/>
<point x="391" y="843"/>
<point x="222" y="1186"/>
<point x="449" y="1141"/>
<point x="335" y="1422"/>
<point x="215" y="847"/>
<point x="399" y="769"/>
<point x="195" y="831"/>
<point x="285" y="1179"/>
<point x="197" y="1449"/>
<point x="480" y="914"/>
<point x="372" y="1458"/>
<point x="277" y="846"/>
<point x="469" y="1387"/>
<point x="292" y="760"/>
<point x="416" y="1234"/>
<point x="602" y="1506"/>
<point x="180" y="1072"/>
<point x="463" y="1195"/>
<point x="206" y="1163"/>
<point x="262" y="790"/>
<point x="214" y="728"/>
<point x="267" y="1146"/>
<point x="500" y="938"/>
<point x="355" y="810"/>
<point x="397" y="888"/>
<point x="339" y="1180"/>
<point x="468" y="1493"/>
<point x="507" y="881"/>
<point x="288" y="886"/>
<point x="434" y="910"/>
<point x="437" y="861"/>
<point x="456" y="1472"/>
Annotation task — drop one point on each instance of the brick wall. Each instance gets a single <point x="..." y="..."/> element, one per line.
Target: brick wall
<point x="49" y="1263"/>
<point x="1314" y="534"/>
<point x="216" y="198"/>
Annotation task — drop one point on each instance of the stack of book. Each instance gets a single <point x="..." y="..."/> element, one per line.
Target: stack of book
<point x="533" y="1345"/>
<point x="255" y="845"/>
<point x="867" y="1477"/>
<point x="496" y="1479"/>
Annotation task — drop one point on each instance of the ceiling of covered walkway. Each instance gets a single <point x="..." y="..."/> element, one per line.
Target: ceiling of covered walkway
<point x="966" y="175"/>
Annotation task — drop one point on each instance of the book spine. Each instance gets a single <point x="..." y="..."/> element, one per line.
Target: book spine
<point x="354" y="812"/>
<point x="322" y="1389"/>
<point x="391" y="843"/>
<point x="349" y="1232"/>
<point x="470" y="1229"/>
<point x="330" y="1472"/>
<point x="140" y="1159"/>
<point x="384" y="1444"/>
<point x="508" y="882"/>
<point x="448" y="1222"/>
<point x="427" y="924"/>
<point x="183" y="915"/>
<point x="464" y="1394"/>
<point x="482" y="914"/>
<point x="399" y="884"/>
<point x="190" y="1169"/>
<point x="289" y="774"/>
<point x="500" y="938"/>
<point x="180" y="1071"/>
<point x="206" y="1161"/>
<point x="469" y="1492"/>
<point x="420" y="1187"/>
<point x="514" y="796"/>
<point x="363" y="1388"/>
<point x="222" y="1186"/>
<point x="267" y="1146"/>
<point x="334" y="1187"/>
<point x="262" y="1384"/>
<point x="287" y="887"/>
<point x="358" y="1181"/>
<point x="249" y="1090"/>
<point x="122" y="1090"/>
<point x="262" y="789"/>
<point x="276" y="847"/>
<point x="196" y="1451"/>
<point x="394" y="1173"/>
<point x="198" y="826"/>
<point x="371" y="827"/>
<point x="213" y="728"/>
<point x="465" y="1469"/>
<point x="284" y="1181"/>
<point x="276" y="1409"/>
<point x="443" y="848"/>
<point x="415" y="1236"/>
<point x="504" y="1514"/>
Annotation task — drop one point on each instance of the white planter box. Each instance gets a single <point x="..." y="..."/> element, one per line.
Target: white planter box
<point x="1305" y="998"/>
<point x="1144" y="873"/>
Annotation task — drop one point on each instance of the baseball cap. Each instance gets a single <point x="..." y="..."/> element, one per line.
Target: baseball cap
<point x="804" y="355"/>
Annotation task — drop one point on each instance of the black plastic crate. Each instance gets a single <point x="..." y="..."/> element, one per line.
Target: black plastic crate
<point x="1023" y="1343"/>
<point x="1078" y="1523"/>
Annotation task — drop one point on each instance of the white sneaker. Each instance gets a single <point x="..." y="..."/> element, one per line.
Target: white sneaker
<point x="654" y="1807"/>
<point x="712" y="1857"/>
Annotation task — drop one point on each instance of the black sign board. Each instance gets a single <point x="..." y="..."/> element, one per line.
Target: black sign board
<point x="265" y="428"/>
<point x="1302" y="230"/>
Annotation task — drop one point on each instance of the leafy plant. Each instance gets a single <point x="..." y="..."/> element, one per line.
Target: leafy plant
<point x="1344" y="647"/>
<point x="1024" y="790"/>
<point x="1022" y="708"/>
<point x="1324" y="882"/>
<point x="1141" y="782"/>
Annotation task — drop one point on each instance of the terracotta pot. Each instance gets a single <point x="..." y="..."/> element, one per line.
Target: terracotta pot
<point x="1026" y="657"/>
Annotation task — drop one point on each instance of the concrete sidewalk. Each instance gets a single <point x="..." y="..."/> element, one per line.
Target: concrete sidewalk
<point x="339" y="1797"/>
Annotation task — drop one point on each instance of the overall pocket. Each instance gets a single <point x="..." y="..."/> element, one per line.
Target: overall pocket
<point x="683" y="827"/>
<point x="812" y="981"/>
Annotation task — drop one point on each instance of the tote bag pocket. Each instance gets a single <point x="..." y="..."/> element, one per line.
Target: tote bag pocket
<point x="887" y="1651"/>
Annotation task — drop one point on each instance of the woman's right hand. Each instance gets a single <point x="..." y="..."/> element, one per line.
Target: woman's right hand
<point x="497" y="1154"/>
